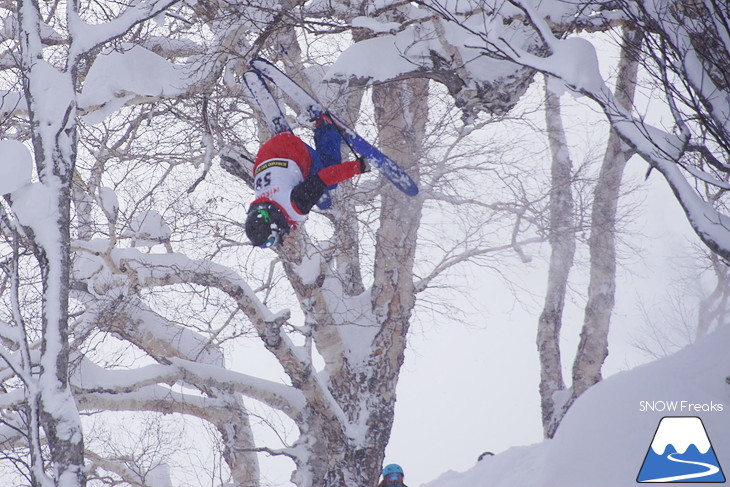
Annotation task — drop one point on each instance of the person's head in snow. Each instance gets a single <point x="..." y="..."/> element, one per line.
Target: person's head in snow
<point x="392" y="475"/>
<point x="290" y="178"/>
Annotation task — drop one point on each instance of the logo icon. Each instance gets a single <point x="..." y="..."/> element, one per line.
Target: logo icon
<point x="681" y="452"/>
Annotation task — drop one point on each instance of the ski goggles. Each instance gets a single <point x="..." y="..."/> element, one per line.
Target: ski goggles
<point x="270" y="242"/>
<point x="394" y="478"/>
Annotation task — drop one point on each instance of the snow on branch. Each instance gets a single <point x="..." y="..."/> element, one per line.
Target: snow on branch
<point x="574" y="62"/>
<point x="155" y="270"/>
<point x="12" y="399"/>
<point x="149" y="398"/>
<point x="128" y="387"/>
<point x="92" y="378"/>
<point x="427" y="47"/>
<point x="12" y="103"/>
<point x="135" y="322"/>
<point x="135" y="75"/>
<point x="9" y="333"/>
<point x="284" y="398"/>
<point x="87" y="37"/>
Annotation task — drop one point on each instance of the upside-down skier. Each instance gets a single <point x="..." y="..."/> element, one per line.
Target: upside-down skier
<point x="290" y="177"/>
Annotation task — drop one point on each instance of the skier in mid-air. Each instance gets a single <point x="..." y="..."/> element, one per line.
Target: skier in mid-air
<point x="392" y="476"/>
<point x="290" y="177"/>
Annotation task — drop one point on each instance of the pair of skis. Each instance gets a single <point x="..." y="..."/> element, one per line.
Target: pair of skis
<point x="264" y="71"/>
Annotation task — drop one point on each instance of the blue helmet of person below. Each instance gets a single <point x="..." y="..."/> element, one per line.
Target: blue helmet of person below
<point x="392" y="468"/>
<point x="393" y="475"/>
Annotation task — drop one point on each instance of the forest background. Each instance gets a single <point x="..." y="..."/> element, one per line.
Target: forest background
<point x="138" y="321"/>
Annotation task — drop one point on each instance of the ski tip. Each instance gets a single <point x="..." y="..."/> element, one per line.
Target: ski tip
<point x="411" y="191"/>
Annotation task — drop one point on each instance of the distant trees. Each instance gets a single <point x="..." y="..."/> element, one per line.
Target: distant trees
<point x="697" y="306"/>
<point x="683" y="48"/>
<point x="592" y="351"/>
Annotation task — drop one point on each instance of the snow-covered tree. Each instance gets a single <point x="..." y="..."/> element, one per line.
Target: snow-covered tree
<point x="684" y="49"/>
<point x="152" y="253"/>
<point x="45" y="48"/>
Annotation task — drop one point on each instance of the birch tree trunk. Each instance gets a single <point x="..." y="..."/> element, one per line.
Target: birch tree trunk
<point x="401" y="111"/>
<point x="363" y="388"/>
<point x="50" y="94"/>
<point x="562" y="243"/>
<point x="593" y="347"/>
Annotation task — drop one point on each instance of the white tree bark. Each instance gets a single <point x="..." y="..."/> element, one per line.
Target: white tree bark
<point x="562" y="244"/>
<point x="54" y="143"/>
<point x="50" y="99"/>
<point x="593" y="346"/>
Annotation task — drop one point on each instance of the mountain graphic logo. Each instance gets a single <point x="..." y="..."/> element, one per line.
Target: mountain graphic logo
<point x="681" y="452"/>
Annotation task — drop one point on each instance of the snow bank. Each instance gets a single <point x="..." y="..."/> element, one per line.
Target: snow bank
<point x="604" y="438"/>
<point x="519" y="466"/>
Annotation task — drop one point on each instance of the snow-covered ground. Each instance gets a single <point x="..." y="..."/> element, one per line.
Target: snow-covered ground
<point x="604" y="438"/>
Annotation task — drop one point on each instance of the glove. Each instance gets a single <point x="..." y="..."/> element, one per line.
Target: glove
<point x="364" y="165"/>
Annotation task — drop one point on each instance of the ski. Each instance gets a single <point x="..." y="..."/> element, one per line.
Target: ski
<point x="314" y="109"/>
<point x="265" y="100"/>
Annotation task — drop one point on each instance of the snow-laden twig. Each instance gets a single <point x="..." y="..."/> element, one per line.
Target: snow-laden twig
<point x="96" y="381"/>
<point x="574" y="62"/>
<point x="155" y="270"/>
<point x="87" y="37"/>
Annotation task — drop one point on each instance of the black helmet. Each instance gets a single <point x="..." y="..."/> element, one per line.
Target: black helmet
<point x="266" y="225"/>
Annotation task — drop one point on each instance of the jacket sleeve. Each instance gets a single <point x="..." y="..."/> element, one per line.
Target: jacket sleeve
<point x="306" y="194"/>
<point x="331" y="175"/>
